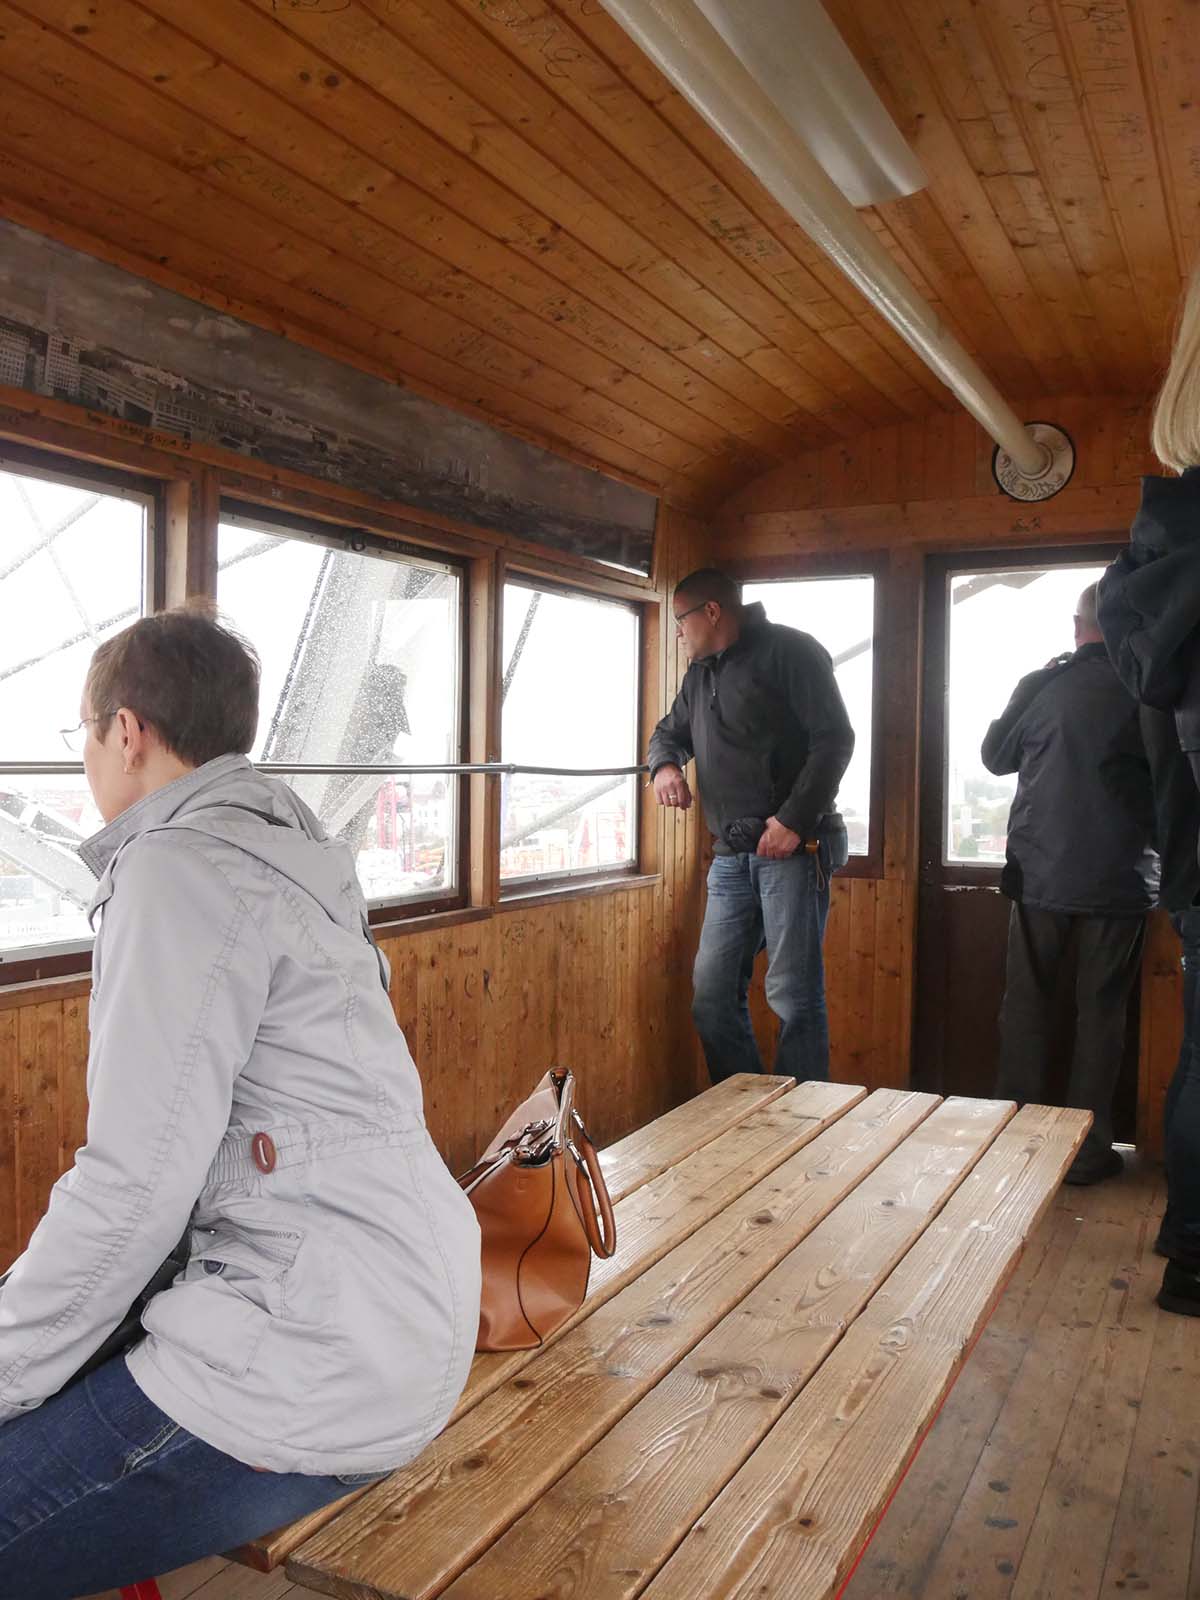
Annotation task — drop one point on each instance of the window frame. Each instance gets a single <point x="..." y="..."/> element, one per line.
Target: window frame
<point x="934" y="741"/>
<point x="815" y="566"/>
<point x="70" y="957"/>
<point x="571" y="880"/>
<point x="358" y="540"/>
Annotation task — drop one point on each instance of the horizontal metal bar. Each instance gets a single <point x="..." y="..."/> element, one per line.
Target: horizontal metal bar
<point x="47" y="769"/>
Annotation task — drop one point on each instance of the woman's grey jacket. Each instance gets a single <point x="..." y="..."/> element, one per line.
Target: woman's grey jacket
<point x="326" y="1319"/>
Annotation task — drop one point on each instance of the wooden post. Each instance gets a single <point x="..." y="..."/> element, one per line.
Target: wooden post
<point x="485" y="626"/>
<point x="193" y="507"/>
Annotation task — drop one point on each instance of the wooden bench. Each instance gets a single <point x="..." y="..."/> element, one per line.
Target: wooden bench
<point x="629" y="1165"/>
<point x="749" y="1378"/>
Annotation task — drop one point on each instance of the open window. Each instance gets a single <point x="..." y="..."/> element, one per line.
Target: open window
<point x="77" y="567"/>
<point x="570" y="699"/>
<point x="361" y="647"/>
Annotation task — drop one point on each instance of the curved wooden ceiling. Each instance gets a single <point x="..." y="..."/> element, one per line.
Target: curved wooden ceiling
<point x="502" y="204"/>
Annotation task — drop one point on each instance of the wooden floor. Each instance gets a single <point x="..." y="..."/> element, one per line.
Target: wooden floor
<point x="1065" y="1464"/>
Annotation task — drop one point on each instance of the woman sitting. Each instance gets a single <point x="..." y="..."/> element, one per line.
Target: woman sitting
<point x="248" y="1085"/>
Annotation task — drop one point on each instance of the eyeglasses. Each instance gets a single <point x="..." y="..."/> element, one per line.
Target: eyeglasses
<point x="75" y="738"/>
<point x="680" y="616"/>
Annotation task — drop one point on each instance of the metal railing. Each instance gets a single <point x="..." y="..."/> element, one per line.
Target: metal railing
<point x="500" y="769"/>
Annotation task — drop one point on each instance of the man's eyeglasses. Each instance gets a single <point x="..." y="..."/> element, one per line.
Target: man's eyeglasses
<point x="680" y="615"/>
<point x="75" y="738"/>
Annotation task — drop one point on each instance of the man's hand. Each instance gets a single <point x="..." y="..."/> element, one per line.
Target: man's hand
<point x="777" y="841"/>
<point x="671" y="788"/>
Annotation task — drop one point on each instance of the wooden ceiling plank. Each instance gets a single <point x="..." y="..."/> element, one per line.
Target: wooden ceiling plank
<point x="623" y="148"/>
<point x="121" y="55"/>
<point x="855" y="312"/>
<point x="50" y="203"/>
<point x="128" y="178"/>
<point x="1027" y="46"/>
<point x="1169" y="33"/>
<point x="590" y="82"/>
<point x="496" y="138"/>
<point x="1102" y="47"/>
<point x="925" y="235"/>
<point x="879" y="32"/>
<point x="268" y="78"/>
<point x="196" y="204"/>
<point x="971" y="89"/>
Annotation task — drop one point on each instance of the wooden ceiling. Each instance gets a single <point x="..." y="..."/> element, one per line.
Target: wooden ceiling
<point x="503" y="205"/>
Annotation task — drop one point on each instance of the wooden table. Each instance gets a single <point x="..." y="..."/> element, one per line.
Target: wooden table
<point x="792" y="1296"/>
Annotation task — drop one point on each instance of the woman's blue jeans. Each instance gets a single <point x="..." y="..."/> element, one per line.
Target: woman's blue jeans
<point x="783" y="905"/>
<point x="99" y="1489"/>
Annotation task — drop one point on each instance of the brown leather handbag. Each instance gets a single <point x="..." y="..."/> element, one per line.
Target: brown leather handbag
<point x="543" y="1208"/>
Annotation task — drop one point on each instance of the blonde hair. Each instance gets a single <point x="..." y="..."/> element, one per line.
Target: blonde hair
<point x="1175" y="431"/>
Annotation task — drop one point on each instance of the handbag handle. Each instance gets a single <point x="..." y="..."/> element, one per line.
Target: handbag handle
<point x="601" y="1231"/>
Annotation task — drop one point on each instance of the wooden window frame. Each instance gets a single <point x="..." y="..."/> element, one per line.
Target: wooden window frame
<point x="52" y="961"/>
<point x="362" y="540"/>
<point x="939" y="567"/>
<point x="815" y="566"/>
<point x="188" y="488"/>
<point x="553" y="579"/>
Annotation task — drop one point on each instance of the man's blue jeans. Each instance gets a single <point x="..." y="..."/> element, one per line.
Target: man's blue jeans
<point x="752" y="902"/>
<point x="99" y="1489"/>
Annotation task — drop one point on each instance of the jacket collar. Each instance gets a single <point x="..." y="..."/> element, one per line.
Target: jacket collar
<point x="153" y="810"/>
<point x="1086" y="652"/>
<point x="754" y="617"/>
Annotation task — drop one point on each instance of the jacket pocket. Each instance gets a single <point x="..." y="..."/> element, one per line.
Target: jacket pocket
<point x="219" y="1310"/>
<point x="210" y="1322"/>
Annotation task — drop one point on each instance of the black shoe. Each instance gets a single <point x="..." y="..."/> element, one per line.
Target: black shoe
<point x="1180" y="1290"/>
<point x="1080" y="1172"/>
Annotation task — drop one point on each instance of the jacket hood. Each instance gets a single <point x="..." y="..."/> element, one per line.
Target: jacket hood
<point x="228" y="800"/>
<point x="1169" y="515"/>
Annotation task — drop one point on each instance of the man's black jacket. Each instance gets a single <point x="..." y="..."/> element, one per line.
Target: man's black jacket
<point x="1081" y="822"/>
<point x="767" y="725"/>
<point x="1149" y="611"/>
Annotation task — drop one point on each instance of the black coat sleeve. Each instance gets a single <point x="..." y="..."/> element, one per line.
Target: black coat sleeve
<point x="807" y="680"/>
<point x="1149" y="612"/>
<point x="671" y="741"/>
<point x="1001" y="748"/>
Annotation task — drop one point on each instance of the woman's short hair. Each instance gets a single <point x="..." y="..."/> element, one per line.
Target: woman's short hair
<point x="191" y="678"/>
<point x="1175" y="433"/>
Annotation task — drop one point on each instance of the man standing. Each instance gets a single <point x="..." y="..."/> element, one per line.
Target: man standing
<point x="761" y="712"/>
<point x="1079" y="870"/>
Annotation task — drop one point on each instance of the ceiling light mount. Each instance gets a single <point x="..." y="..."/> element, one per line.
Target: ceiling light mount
<point x="1058" y="464"/>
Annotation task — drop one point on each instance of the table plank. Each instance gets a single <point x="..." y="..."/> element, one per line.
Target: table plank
<point x="796" y="1515"/>
<point x="411" y="1535"/>
<point x="651" y="1221"/>
<point x="649" y="1151"/>
<point x="607" y="1526"/>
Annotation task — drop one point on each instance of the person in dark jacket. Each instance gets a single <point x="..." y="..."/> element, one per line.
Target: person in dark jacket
<point x="1079" y="870"/>
<point x="761" y="712"/>
<point x="1177" y="835"/>
<point x="1150" y="613"/>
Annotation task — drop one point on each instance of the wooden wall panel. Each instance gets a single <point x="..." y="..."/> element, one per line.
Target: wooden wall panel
<point x="910" y="489"/>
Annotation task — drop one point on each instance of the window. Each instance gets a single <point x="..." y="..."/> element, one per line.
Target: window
<point x="840" y="614"/>
<point x="360" y="645"/>
<point x="1003" y="624"/>
<point x="74" y="570"/>
<point x="570" y="699"/>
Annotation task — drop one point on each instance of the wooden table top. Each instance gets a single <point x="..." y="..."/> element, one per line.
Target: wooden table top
<point x="800" y="1274"/>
